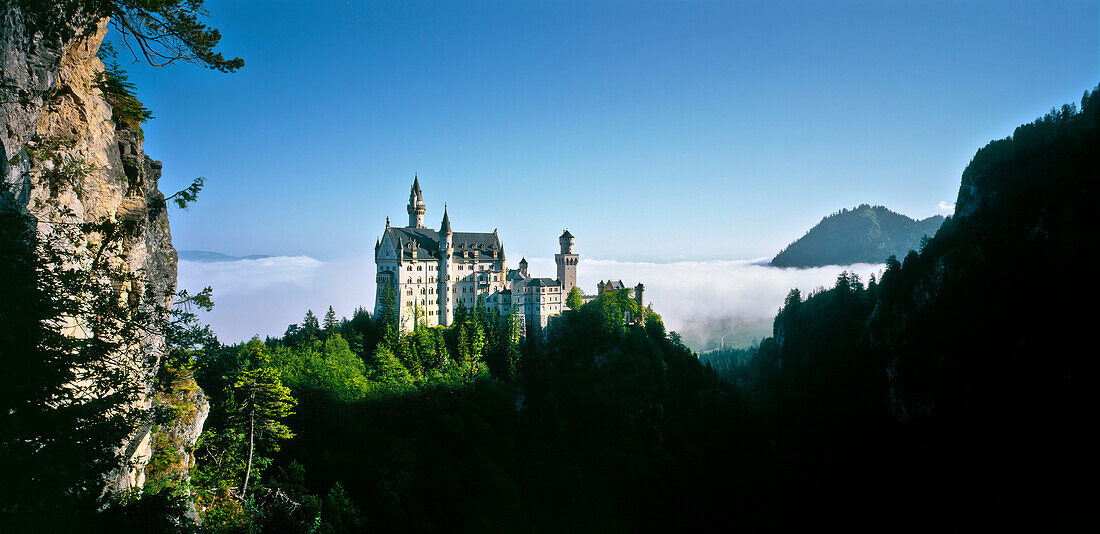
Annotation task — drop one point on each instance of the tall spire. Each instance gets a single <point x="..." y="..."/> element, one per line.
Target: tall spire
<point x="445" y="227"/>
<point x="416" y="208"/>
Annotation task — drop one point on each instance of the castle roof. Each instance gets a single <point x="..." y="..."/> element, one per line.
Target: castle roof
<point x="478" y="245"/>
<point x="611" y="285"/>
<point x="565" y="233"/>
<point x="543" y="282"/>
<point x="445" y="227"/>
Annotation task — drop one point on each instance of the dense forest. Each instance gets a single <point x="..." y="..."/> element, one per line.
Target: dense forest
<point x="601" y="425"/>
<point x="957" y="382"/>
<point x="865" y="234"/>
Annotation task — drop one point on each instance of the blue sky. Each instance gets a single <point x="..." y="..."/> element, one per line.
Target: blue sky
<point x="654" y="131"/>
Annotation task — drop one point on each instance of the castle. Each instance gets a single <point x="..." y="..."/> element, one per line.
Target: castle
<point x="431" y="273"/>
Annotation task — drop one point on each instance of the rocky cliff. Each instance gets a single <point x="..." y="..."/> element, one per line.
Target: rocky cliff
<point x="69" y="161"/>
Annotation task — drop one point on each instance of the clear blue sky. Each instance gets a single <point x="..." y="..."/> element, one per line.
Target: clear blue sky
<point x="653" y="130"/>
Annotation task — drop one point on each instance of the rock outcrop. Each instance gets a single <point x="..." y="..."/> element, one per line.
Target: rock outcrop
<point x="67" y="160"/>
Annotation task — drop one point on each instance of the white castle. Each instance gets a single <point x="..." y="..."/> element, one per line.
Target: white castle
<point x="432" y="273"/>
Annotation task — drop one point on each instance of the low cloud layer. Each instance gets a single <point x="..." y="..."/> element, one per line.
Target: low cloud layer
<point x="944" y="206"/>
<point x="702" y="298"/>
<point x="263" y="296"/>
<point x="696" y="298"/>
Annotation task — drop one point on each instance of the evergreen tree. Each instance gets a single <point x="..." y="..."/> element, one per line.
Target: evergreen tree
<point x="330" y="323"/>
<point x="311" y="327"/>
<point x="74" y="366"/>
<point x="262" y="402"/>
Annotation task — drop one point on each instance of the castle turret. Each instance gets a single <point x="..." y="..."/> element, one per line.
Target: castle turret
<point x="567" y="263"/>
<point x="523" y="266"/>
<point x="416" y="207"/>
<point x="445" y="230"/>
<point x="446" y="242"/>
<point x="566" y="242"/>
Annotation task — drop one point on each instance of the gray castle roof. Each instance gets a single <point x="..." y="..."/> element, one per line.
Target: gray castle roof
<point x="543" y="282"/>
<point x="479" y="245"/>
<point x="445" y="227"/>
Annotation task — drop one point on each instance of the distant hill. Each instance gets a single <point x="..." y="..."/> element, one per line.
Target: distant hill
<point x="866" y="234"/>
<point x="207" y="256"/>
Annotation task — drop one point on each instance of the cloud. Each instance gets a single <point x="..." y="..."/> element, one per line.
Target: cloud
<point x="263" y="296"/>
<point x="944" y="206"/>
<point x="702" y="298"/>
<point x="696" y="298"/>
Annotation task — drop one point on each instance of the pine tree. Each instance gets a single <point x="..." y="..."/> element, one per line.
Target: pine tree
<point x="311" y="327"/>
<point x="262" y="404"/>
<point x="330" y="323"/>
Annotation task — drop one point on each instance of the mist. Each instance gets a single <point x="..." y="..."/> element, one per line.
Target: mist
<point x="702" y="300"/>
<point x="262" y="297"/>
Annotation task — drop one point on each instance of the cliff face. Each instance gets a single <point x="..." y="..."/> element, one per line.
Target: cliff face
<point x="66" y="161"/>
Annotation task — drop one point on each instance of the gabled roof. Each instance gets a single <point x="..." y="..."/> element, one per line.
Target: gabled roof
<point x="543" y="282"/>
<point x="565" y="233"/>
<point x="424" y="241"/>
<point x="479" y="245"/>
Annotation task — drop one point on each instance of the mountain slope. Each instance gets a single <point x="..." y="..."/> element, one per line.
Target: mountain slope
<point x="961" y="373"/>
<point x="206" y="256"/>
<point x="866" y="234"/>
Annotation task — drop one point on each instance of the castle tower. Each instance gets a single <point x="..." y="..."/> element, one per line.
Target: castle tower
<point x="447" y="248"/>
<point x="567" y="263"/>
<point x="523" y="266"/>
<point x="416" y="208"/>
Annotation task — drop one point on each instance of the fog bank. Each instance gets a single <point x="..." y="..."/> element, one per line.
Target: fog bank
<point x="699" y="299"/>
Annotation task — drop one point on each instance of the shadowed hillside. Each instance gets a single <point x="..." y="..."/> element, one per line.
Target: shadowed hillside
<point x="866" y="234"/>
<point x="956" y="383"/>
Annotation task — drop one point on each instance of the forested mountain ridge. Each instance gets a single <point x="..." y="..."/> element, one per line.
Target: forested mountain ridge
<point x="954" y="376"/>
<point x="865" y="234"/>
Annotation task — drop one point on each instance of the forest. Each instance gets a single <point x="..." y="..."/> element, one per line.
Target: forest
<point x="602" y="425"/>
<point x="956" y="383"/>
<point x="865" y="234"/>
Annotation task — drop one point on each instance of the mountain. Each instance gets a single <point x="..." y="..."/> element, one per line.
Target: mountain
<point x="866" y="234"/>
<point x="206" y="256"/>
<point x="962" y="359"/>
